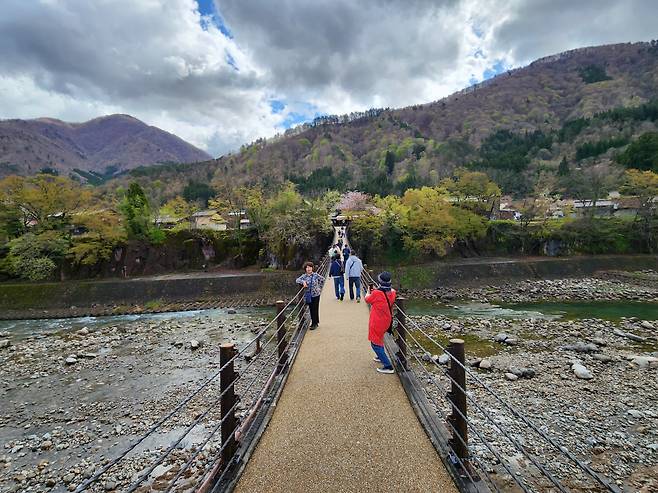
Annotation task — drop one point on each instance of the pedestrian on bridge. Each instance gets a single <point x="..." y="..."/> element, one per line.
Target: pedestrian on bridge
<point x="336" y="272"/>
<point x="381" y="302"/>
<point x="346" y="253"/>
<point x="312" y="282"/>
<point x="353" y="269"/>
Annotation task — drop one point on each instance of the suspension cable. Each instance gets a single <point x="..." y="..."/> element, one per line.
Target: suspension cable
<point x="563" y="450"/>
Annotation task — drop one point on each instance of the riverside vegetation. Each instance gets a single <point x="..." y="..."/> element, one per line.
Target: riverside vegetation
<point x="51" y="225"/>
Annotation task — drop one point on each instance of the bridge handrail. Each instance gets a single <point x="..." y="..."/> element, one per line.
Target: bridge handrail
<point x="210" y="468"/>
<point x="299" y="306"/>
<point x="509" y="407"/>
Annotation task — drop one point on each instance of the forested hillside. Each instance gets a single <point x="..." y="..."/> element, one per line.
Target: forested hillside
<point x="524" y="128"/>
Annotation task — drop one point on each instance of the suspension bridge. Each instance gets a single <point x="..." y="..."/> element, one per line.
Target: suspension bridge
<point x="308" y="412"/>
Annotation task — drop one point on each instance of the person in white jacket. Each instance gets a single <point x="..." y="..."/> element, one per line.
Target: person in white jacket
<point x="353" y="270"/>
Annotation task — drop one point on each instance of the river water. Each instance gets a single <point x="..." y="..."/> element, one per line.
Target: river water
<point x="20" y="329"/>
<point x="605" y="310"/>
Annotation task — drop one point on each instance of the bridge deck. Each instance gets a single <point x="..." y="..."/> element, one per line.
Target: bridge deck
<point x="340" y="426"/>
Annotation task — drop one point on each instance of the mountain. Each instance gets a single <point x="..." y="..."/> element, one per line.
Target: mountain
<point x="515" y="126"/>
<point x="102" y="146"/>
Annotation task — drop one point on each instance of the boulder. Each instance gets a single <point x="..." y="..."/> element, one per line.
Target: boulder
<point x="4" y="343"/>
<point x="511" y="377"/>
<point x="647" y="325"/>
<point x="581" y="372"/>
<point x="501" y="337"/>
<point x="644" y="362"/>
<point x="486" y="364"/>
<point x="71" y="360"/>
<point x="444" y="359"/>
<point x="603" y="358"/>
<point x="581" y="347"/>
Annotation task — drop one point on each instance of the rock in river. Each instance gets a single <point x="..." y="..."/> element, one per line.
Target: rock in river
<point x="581" y="372"/>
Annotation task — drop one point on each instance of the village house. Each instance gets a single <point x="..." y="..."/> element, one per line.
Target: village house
<point x="208" y="219"/>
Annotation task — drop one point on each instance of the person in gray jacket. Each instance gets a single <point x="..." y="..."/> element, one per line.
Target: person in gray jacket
<point x="353" y="270"/>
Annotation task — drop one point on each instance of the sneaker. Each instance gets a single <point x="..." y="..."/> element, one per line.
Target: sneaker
<point x="376" y="359"/>
<point x="313" y="327"/>
<point x="358" y="300"/>
<point x="386" y="370"/>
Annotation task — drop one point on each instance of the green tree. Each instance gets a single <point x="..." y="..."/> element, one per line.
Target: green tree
<point x="563" y="169"/>
<point x="104" y="232"/>
<point x="177" y="208"/>
<point x="43" y="201"/>
<point x="35" y="257"/>
<point x="473" y="190"/>
<point x="644" y="185"/>
<point x="389" y="162"/>
<point x="642" y="154"/>
<point x="136" y="212"/>
<point x="196" y="191"/>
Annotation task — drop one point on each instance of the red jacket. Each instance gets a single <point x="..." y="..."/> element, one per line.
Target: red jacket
<point x="380" y="315"/>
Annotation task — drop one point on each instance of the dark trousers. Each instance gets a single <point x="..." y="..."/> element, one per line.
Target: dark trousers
<point x="355" y="282"/>
<point x="314" y="308"/>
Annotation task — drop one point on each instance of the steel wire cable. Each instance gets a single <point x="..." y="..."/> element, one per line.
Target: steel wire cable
<point x="212" y="464"/>
<point x="88" y="482"/>
<point x="519" y="447"/>
<point x="562" y="450"/>
<point x="200" y="448"/>
<point x="464" y="466"/>
<point x="438" y="408"/>
<point x="247" y="388"/>
<point x="214" y="431"/>
<point x="136" y="484"/>
<point x="472" y="426"/>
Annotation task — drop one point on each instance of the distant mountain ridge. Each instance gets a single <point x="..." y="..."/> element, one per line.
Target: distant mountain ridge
<point x="530" y="111"/>
<point x="102" y="146"/>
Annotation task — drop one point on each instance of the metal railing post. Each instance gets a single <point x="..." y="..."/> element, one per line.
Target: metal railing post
<point x="228" y="402"/>
<point x="457" y="398"/>
<point x="280" y="336"/>
<point x="402" y="331"/>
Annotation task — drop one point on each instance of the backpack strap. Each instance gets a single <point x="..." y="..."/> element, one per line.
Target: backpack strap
<point x="390" y="308"/>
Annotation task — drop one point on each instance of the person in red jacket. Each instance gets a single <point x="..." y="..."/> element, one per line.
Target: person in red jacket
<point x="381" y="315"/>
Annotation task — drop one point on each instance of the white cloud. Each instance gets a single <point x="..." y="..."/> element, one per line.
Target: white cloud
<point x="160" y="61"/>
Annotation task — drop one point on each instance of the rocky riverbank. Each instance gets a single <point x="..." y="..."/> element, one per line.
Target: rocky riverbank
<point x="637" y="286"/>
<point x="74" y="399"/>
<point x="590" y="384"/>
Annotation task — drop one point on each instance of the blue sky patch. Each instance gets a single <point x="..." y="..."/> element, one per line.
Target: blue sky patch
<point x="277" y="106"/>
<point x="498" y="68"/>
<point x="207" y="9"/>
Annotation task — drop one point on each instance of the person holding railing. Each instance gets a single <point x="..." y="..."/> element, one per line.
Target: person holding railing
<point x="381" y="302"/>
<point x="353" y="269"/>
<point x="312" y="282"/>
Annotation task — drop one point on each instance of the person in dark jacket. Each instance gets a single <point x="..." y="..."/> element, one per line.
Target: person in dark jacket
<point x="381" y="315"/>
<point x="346" y="254"/>
<point x="336" y="272"/>
<point x="313" y="282"/>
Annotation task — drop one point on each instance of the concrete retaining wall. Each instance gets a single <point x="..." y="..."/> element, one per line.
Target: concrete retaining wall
<point x="492" y="271"/>
<point x="20" y="296"/>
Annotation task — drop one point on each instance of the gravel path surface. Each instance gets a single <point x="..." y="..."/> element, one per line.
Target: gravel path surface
<point x="340" y="425"/>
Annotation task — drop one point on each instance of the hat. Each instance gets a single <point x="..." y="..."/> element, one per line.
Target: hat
<point x="384" y="279"/>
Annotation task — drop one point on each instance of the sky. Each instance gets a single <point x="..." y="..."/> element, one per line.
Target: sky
<point x="222" y="73"/>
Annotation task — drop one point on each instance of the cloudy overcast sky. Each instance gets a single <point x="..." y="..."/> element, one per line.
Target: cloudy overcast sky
<point x="223" y="73"/>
